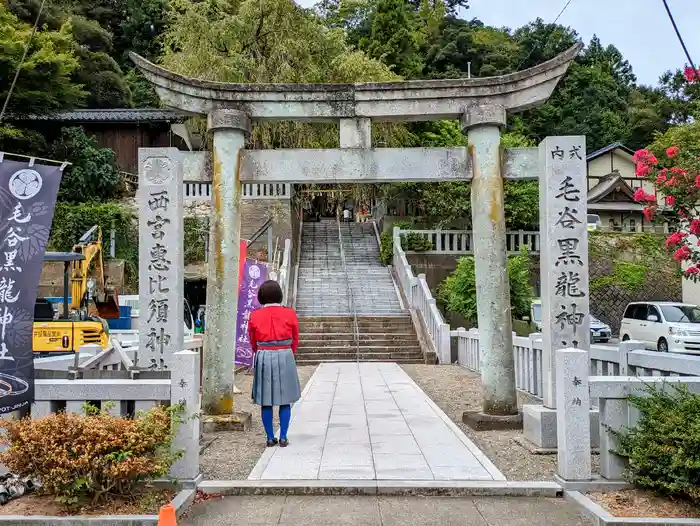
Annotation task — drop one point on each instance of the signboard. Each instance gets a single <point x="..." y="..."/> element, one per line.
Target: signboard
<point x="254" y="274"/>
<point x="27" y="203"/>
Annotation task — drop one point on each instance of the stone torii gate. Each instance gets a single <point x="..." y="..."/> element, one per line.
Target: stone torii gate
<point x="482" y="106"/>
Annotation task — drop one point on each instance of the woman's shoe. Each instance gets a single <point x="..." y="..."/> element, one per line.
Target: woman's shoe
<point x="284" y="442"/>
<point x="272" y="443"/>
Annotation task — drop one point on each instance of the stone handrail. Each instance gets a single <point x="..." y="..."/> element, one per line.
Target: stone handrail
<point x="285" y="271"/>
<point x="421" y="300"/>
<point x="462" y="241"/>
<point x="627" y="358"/>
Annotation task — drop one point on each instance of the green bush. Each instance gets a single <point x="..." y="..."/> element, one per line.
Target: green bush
<point x="458" y="291"/>
<point x="195" y="234"/>
<point x="663" y="448"/>
<point x="410" y="242"/>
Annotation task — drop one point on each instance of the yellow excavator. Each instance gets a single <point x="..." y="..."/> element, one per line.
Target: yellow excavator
<point x="91" y="302"/>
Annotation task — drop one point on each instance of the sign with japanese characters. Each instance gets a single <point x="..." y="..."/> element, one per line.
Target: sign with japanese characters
<point x="564" y="252"/>
<point x="27" y="203"/>
<point x="161" y="262"/>
<point x="254" y="275"/>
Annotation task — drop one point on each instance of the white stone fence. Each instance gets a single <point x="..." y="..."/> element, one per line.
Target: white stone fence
<point x="420" y="299"/>
<point x="110" y="381"/>
<point x="576" y="390"/>
<point x="201" y="191"/>
<point x="627" y="358"/>
<point x="462" y="241"/>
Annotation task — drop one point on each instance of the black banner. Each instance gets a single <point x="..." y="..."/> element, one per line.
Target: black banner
<point x="27" y="203"/>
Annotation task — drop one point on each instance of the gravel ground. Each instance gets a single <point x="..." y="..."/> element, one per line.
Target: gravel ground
<point x="455" y="390"/>
<point x="233" y="454"/>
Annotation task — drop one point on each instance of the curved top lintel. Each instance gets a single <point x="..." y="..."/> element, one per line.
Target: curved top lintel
<point x="400" y="100"/>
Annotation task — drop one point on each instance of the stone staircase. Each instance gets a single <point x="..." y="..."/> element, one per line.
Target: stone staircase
<point x="322" y="286"/>
<point x="324" y="306"/>
<point x="381" y="339"/>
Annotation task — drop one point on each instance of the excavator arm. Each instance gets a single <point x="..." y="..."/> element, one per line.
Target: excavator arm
<point x="105" y="297"/>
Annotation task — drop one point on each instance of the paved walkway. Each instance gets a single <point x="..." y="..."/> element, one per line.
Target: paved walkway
<point x="371" y="421"/>
<point x="384" y="511"/>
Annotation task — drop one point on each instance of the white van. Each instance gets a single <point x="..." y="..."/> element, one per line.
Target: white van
<point x="663" y="326"/>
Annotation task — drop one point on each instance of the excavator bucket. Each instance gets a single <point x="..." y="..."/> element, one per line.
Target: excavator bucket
<point x="109" y="308"/>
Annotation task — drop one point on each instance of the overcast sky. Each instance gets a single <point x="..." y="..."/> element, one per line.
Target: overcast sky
<point x="640" y="29"/>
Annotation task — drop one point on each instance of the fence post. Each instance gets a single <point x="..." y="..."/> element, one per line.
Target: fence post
<point x="573" y="420"/>
<point x="614" y="417"/>
<point x="445" y="344"/>
<point x="625" y="348"/>
<point x="184" y="390"/>
<point x="461" y="346"/>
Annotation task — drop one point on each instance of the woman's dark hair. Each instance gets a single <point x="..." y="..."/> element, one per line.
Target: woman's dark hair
<point x="270" y="292"/>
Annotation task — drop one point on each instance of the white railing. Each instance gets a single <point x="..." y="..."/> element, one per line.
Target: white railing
<point x="201" y="191"/>
<point x="627" y="358"/>
<point x="286" y="270"/>
<point x="462" y="241"/>
<point x="266" y="191"/>
<point x="421" y="300"/>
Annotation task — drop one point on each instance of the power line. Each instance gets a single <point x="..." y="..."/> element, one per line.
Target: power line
<point x="21" y="62"/>
<point x="680" y="38"/>
<point x="555" y="21"/>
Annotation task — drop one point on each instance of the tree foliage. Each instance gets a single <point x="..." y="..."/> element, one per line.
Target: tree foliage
<point x="458" y="291"/>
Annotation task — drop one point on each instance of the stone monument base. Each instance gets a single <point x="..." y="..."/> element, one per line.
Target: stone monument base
<point x="239" y="421"/>
<point x="540" y="428"/>
<point x="479" y="421"/>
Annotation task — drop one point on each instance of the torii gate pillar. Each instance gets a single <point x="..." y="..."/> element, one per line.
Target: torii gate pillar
<point x="483" y="124"/>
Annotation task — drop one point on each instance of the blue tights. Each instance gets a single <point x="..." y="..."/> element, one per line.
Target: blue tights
<point x="285" y="414"/>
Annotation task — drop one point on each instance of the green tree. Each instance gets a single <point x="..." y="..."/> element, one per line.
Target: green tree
<point x="687" y="138"/>
<point x="93" y="175"/>
<point x="44" y="83"/>
<point x="458" y="291"/>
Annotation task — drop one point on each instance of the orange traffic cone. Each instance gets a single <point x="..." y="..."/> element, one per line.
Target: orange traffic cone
<point x="166" y="517"/>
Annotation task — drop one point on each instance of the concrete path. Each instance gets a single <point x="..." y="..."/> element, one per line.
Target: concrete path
<point x="371" y="421"/>
<point x="384" y="511"/>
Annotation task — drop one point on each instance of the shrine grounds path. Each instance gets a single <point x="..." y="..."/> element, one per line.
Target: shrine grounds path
<point x="371" y="421"/>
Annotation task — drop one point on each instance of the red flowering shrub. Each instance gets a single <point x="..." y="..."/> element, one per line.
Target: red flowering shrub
<point x="680" y="189"/>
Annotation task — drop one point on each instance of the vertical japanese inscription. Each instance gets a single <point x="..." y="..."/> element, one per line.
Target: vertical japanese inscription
<point x="161" y="265"/>
<point x="27" y="201"/>
<point x="564" y="257"/>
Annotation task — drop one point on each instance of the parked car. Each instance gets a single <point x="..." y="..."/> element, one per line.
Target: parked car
<point x="664" y="326"/>
<point x="600" y="332"/>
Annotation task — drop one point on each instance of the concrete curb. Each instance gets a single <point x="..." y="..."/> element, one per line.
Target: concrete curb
<point x="452" y="488"/>
<point x="599" y="517"/>
<point x="181" y="502"/>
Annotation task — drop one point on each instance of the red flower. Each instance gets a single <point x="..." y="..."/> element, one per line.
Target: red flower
<point x="679" y="171"/>
<point x="691" y="74"/>
<point x="670" y="200"/>
<point x="648" y="213"/>
<point x="694" y="227"/>
<point x="675" y="239"/>
<point x="652" y="160"/>
<point x="691" y="271"/>
<point x="640" y="156"/>
<point x="682" y="254"/>
<point x="660" y="179"/>
<point x="671" y="182"/>
<point x="642" y="170"/>
<point x="672" y="151"/>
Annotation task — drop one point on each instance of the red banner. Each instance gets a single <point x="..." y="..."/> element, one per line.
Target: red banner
<point x="241" y="261"/>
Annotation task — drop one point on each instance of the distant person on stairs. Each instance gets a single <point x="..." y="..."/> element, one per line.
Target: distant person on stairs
<point x="274" y="337"/>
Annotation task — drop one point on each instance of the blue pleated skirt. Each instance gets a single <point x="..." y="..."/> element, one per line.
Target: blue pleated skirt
<point x="276" y="381"/>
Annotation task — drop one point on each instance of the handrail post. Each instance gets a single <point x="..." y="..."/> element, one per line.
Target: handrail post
<point x="347" y="283"/>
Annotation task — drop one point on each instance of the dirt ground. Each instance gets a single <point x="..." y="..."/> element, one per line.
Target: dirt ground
<point x="146" y="502"/>
<point x="233" y="454"/>
<point x="455" y="390"/>
<point x="640" y="503"/>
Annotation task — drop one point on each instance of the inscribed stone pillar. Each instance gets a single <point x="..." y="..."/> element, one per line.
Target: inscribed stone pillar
<point x="184" y="391"/>
<point x="161" y="257"/>
<point x="573" y="422"/>
<point x="230" y="128"/>
<point x="564" y="253"/>
<point x="483" y="124"/>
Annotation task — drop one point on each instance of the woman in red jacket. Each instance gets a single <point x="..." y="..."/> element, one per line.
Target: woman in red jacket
<point x="274" y="337"/>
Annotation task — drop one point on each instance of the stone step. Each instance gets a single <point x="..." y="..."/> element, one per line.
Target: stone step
<point x="315" y="360"/>
<point x="363" y="349"/>
<point x="319" y="337"/>
<point x="322" y="327"/>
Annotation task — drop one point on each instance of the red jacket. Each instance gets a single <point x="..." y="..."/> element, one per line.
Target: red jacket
<point x="273" y="328"/>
